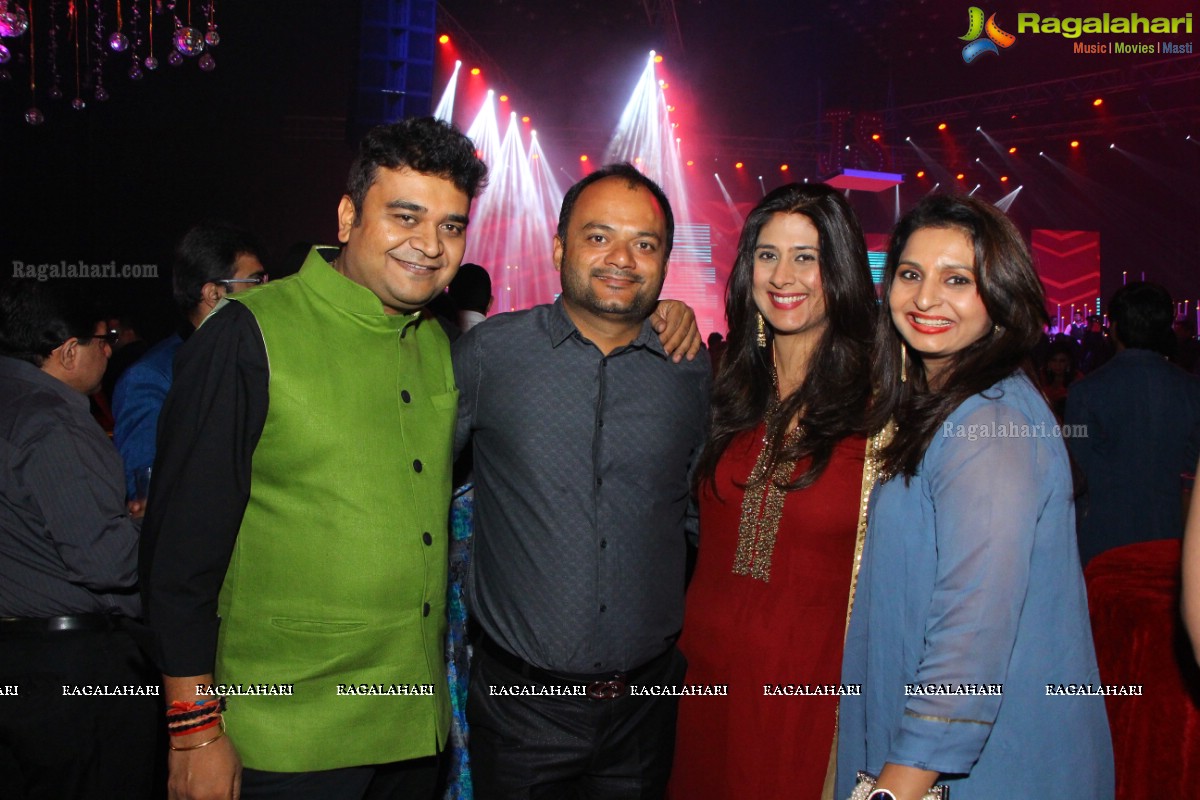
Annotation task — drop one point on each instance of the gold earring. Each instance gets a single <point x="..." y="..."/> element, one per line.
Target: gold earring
<point x="762" y="331"/>
<point x="903" y="363"/>
<point x="996" y="328"/>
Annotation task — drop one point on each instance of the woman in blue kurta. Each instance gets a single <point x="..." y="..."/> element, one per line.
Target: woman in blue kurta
<point x="969" y="634"/>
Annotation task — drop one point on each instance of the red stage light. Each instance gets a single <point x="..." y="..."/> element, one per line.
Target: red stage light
<point x="921" y="173"/>
<point x="658" y="59"/>
<point x="691" y="163"/>
<point x="503" y="98"/>
<point x="942" y="127"/>
<point x="444" y="39"/>
<point x="525" y="119"/>
<point x="1012" y="150"/>
<point x="1099" y="101"/>
<point x="738" y="165"/>
<point x="583" y="158"/>
<point x="474" y="70"/>
<point x="1004" y="179"/>
<point x="875" y="137"/>
<point x="1074" y="143"/>
<point x="960" y="176"/>
<point x="783" y="168"/>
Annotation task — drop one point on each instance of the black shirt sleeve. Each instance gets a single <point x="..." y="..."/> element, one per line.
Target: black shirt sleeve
<point x="207" y="432"/>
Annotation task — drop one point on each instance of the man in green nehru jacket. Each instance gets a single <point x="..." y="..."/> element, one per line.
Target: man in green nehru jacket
<point x="294" y="552"/>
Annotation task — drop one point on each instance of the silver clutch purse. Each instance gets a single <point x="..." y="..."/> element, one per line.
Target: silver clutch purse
<point x="866" y="785"/>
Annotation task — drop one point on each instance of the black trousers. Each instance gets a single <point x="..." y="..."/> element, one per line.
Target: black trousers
<point x="417" y="779"/>
<point x="560" y="748"/>
<point x="56" y="745"/>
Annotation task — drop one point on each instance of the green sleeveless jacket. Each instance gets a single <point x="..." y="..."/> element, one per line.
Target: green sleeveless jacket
<point x="337" y="582"/>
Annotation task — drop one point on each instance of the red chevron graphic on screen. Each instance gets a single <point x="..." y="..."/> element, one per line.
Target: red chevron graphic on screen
<point x="1068" y="264"/>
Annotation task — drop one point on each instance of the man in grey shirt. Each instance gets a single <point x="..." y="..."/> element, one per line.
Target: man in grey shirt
<point x="584" y="435"/>
<point x="71" y="671"/>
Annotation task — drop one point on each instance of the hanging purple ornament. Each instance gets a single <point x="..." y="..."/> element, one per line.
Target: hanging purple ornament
<point x="151" y="63"/>
<point x="188" y="41"/>
<point x="207" y="62"/>
<point x="118" y="42"/>
<point x="174" y="59"/>
<point x="34" y="116"/>
<point x="101" y="94"/>
<point x="135" y="73"/>
<point x="5" y="54"/>
<point x="212" y="38"/>
<point x="13" y="23"/>
<point x="78" y="104"/>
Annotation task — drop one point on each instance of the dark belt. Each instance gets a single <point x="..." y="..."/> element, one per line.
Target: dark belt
<point x="74" y="622"/>
<point x="598" y="686"/>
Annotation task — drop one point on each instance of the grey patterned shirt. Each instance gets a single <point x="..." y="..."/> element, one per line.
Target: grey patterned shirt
<point x="67" y="544"/>
<point x="583" y="468"/>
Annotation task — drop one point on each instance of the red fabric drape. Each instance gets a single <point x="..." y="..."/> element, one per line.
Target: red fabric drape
<point x="1133" y="596"/>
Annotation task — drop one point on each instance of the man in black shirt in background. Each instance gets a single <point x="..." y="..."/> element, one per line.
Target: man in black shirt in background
<point x="81" y="709"/>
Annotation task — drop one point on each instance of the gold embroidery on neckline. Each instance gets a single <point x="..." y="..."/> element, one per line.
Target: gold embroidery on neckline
<point x="762" y="508"/>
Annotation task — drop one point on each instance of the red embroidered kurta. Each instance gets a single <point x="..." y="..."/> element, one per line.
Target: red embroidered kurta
<point x="749" y="635"/>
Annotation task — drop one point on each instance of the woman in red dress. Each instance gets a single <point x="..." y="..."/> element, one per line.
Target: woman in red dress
<point x="780" y="484"/>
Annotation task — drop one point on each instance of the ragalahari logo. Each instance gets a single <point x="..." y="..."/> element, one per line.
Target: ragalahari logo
<point x="996" y="38"/>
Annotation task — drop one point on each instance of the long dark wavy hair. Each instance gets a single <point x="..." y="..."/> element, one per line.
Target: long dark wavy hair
<point x="832" y="401"/>
<point x="1014" y="300"/>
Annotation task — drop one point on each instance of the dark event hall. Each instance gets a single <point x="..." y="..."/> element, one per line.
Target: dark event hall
<point x="545" y="399"/>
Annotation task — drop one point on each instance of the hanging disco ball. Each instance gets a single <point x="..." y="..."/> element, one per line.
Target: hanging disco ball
<point x="13" y="23"/>
<point x="151" y="63"/>
<point x="118" y="42"/>
<point x="207" y="62"/>
<point x="188" y="41"/>
<point x="174" y="59"/>
<point x="212" y="38"/>
<point x="5" y="54"/>
<point x="34" y="116"/>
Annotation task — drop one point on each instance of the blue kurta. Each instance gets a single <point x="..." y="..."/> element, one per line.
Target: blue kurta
<point x="970" y="576"/>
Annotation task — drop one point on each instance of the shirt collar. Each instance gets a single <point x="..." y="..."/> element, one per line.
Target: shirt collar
<point x="15" y="369"/>
<point x="1140" y="352"/>
<point x="318" y="273"/>
<point x="561" y="327"/>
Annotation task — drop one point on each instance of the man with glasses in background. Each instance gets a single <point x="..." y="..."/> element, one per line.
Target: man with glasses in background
<point x="212" y="259"/>
<point x="71" y="673"/>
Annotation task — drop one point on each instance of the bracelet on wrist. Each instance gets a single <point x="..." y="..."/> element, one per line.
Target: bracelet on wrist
<point x="195" y="726"/>
<point x="205" y="743"/>
<point x="182" y="709"/>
